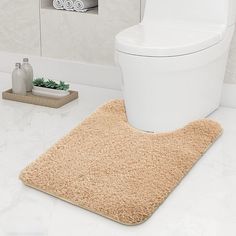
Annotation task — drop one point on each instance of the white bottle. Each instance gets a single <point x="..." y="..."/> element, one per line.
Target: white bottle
<point x="29" y="74"/>
<point x="18" y="80"/>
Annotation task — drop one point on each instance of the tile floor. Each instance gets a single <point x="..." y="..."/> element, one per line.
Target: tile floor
<point x="203" y="204"/>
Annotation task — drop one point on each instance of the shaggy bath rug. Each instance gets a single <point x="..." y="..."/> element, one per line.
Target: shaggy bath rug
<point x="106" y="166"/>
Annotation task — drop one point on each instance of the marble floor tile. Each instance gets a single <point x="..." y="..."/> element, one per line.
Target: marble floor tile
<point x="202" y="205"/>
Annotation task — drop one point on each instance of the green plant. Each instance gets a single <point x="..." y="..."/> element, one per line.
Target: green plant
<point x="41" y="82"/>
<point x="63" y="86"/>
<point x="51" y="84"/>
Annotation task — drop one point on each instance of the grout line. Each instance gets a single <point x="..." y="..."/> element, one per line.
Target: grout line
<point x="40" y="28"/>
<point x="140" y="3"/>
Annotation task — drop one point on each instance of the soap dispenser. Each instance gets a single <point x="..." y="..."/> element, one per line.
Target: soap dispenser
<point x="29" y="74"/>
<point x="18" y="80"/>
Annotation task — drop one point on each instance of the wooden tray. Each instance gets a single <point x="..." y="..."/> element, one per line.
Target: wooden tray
<point x="38" y="100"/>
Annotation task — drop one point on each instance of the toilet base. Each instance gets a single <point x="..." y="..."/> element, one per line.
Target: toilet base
<point x="165" y="93"/>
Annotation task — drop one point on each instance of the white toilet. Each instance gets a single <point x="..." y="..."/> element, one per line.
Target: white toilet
<point x="173" y="62"/>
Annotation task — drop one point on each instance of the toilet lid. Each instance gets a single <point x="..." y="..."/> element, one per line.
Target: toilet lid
<point x="168" y="39"/>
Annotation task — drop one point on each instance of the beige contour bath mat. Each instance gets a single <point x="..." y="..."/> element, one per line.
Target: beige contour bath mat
<point x="106" y="166"/>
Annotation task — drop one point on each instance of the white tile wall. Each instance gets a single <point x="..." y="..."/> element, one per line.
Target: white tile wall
<point x="142" y="7"/>
<point x="19" y="26"/>
<point x="78" y="37"/>
<point x="87" y="37"/>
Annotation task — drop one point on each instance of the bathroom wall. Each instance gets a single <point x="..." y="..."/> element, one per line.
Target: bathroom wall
<point x="20" y="26"/>
<point x="142" y="7"/>
<point x="35" y="27"/>
<point x="87" y="37"/>
<point x="30" y="28"/>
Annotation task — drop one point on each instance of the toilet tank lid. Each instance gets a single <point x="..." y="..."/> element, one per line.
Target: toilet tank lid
<point x="168" y="38"/>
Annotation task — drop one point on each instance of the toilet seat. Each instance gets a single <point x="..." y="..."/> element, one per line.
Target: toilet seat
<point x="169" y="38"/>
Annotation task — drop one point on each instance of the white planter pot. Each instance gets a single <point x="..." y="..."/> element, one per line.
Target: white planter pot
<point x="47" y="92"/>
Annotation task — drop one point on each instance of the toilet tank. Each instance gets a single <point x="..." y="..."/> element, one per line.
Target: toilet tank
<point x="212" y="11"/>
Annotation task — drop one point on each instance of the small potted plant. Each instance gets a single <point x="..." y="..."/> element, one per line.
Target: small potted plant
<point x="50" y="88"/>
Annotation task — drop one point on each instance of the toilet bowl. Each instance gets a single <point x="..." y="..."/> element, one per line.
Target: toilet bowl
<point x="173" y="62"/>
